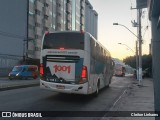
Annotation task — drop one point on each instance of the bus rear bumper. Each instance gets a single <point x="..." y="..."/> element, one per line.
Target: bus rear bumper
<point x="65" y="88"/>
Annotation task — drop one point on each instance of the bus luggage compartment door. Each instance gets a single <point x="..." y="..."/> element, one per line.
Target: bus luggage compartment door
<point x="62" y="68"/>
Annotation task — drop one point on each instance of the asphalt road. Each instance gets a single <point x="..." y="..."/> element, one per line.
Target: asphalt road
<point x="36" y="99"/>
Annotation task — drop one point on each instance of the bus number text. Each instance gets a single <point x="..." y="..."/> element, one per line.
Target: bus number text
<point x="62" y="68"/>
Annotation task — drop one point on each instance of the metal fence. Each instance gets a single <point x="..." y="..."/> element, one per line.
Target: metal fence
<point x="7" y="62"/>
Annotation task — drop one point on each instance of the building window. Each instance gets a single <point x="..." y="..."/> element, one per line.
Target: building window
<point x="59" y="25"/>
<point x="45" y="17"/>
<point x="37" y="24"/>
<point x="32" y="1"/>
<point x="46" y="5"/>
<point x="50" y="13"/>
<point x="54" y="15"/>
<point x="31" y="27"/>
<point x="45" y="28"/>
<point x="37" y="12"/>
<point x="59" y="14"/>
<point x="37" y="37"/>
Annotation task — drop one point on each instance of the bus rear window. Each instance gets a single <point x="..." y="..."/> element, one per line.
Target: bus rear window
<point x="64" y="40"/>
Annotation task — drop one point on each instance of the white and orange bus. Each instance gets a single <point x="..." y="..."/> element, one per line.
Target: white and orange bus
<point x="74" y="62"/>
<point x="119" y="70"/>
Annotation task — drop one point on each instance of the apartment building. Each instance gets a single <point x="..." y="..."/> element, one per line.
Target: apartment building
<point x="58" y="15"/>
<point x="91" y="19"/>
<point x="39" y="21"/>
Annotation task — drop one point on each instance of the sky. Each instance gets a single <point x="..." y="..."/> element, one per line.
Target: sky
<point x="118" y="11"/>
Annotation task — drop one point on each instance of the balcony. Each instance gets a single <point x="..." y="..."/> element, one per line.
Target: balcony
<point x="82" y="12"/>
<point x="68" y="7"/>
<point x="47" y="23"/>
<point x="38" y="19"/>
<point x="31" y="21"/>
<point x="68" y="17"/>
<point x="82" y="20"/>
<point x="31" y="33"/>
<point x="39" y="5"/>
<point x="83" y="4"/>
<point x="48" y="2"/>
<point x="38" y="31"/>
<point x="46" y="11"/>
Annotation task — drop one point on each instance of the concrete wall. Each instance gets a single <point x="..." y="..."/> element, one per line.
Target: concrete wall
<point x="154" y="13"/>
<point x="13" y="30"/>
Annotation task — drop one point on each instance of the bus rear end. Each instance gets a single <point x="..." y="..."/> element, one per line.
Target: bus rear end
<point x="62" y="66"/>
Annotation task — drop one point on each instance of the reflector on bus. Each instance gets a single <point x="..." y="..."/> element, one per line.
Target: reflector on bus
<point x="46" y="32"/>
<point x="61" y="48"/>
<point x="41" y="69"/>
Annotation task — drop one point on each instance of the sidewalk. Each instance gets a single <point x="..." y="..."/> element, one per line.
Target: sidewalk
<point x="6" y="84"/>
<point x="136" y="98"/>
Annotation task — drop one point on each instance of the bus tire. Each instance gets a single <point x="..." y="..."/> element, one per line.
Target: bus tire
<point x="97" y="89"/>
<point x="107" y="86"/>
<point x="34" y="77"/>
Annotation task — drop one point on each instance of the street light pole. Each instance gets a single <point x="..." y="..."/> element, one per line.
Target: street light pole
<point x="127" y="47"/>
<point x="137" y="72"/>
<point x="138" y="61"/>
<point x="136" y="57"/>
<point x="126" y="28"/>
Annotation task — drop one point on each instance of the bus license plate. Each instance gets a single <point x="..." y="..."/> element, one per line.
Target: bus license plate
<point x="60" y="86"/>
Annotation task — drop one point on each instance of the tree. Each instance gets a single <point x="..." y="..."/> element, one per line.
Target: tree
<point x="146" y="61"/>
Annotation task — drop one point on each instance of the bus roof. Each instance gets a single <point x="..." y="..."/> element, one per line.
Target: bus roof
<point x="83" y="32"/>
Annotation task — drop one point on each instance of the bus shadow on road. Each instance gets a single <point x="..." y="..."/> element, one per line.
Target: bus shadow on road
<point x="76" y="98"/>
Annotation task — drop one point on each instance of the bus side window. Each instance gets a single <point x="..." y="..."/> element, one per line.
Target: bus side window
<point x="93" y="48"/>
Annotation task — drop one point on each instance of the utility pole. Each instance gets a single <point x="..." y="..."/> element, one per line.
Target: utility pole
<point x="138" y="51"/>
<point x="137" y="76"/>
<point x="135" y="24"/>
<point x="140" y="47"/>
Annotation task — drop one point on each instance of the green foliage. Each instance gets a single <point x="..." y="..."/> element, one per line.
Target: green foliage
<point x="146" y="61"/>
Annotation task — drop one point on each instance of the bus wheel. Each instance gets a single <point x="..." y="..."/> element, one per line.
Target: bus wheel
<point x="97" y="90"/>
<point x="34" y="77"/>
<point x="107" y="86"/>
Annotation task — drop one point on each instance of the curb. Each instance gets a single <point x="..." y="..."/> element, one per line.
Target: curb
<point x="18" y="86"/>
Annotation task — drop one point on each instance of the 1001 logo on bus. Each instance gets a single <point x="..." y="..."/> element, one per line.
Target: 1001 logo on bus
<point x="62" y="68"/>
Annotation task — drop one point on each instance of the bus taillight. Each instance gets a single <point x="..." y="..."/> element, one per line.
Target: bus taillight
<point x="41" y="71"/>
<point x="83" y="75"/>
<point x="46" y="33"/>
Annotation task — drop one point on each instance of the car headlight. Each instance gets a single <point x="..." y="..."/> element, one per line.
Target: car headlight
<point x="17" y="74"/>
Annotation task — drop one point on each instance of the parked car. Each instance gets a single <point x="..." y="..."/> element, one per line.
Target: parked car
<point x="24" y="72"/>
